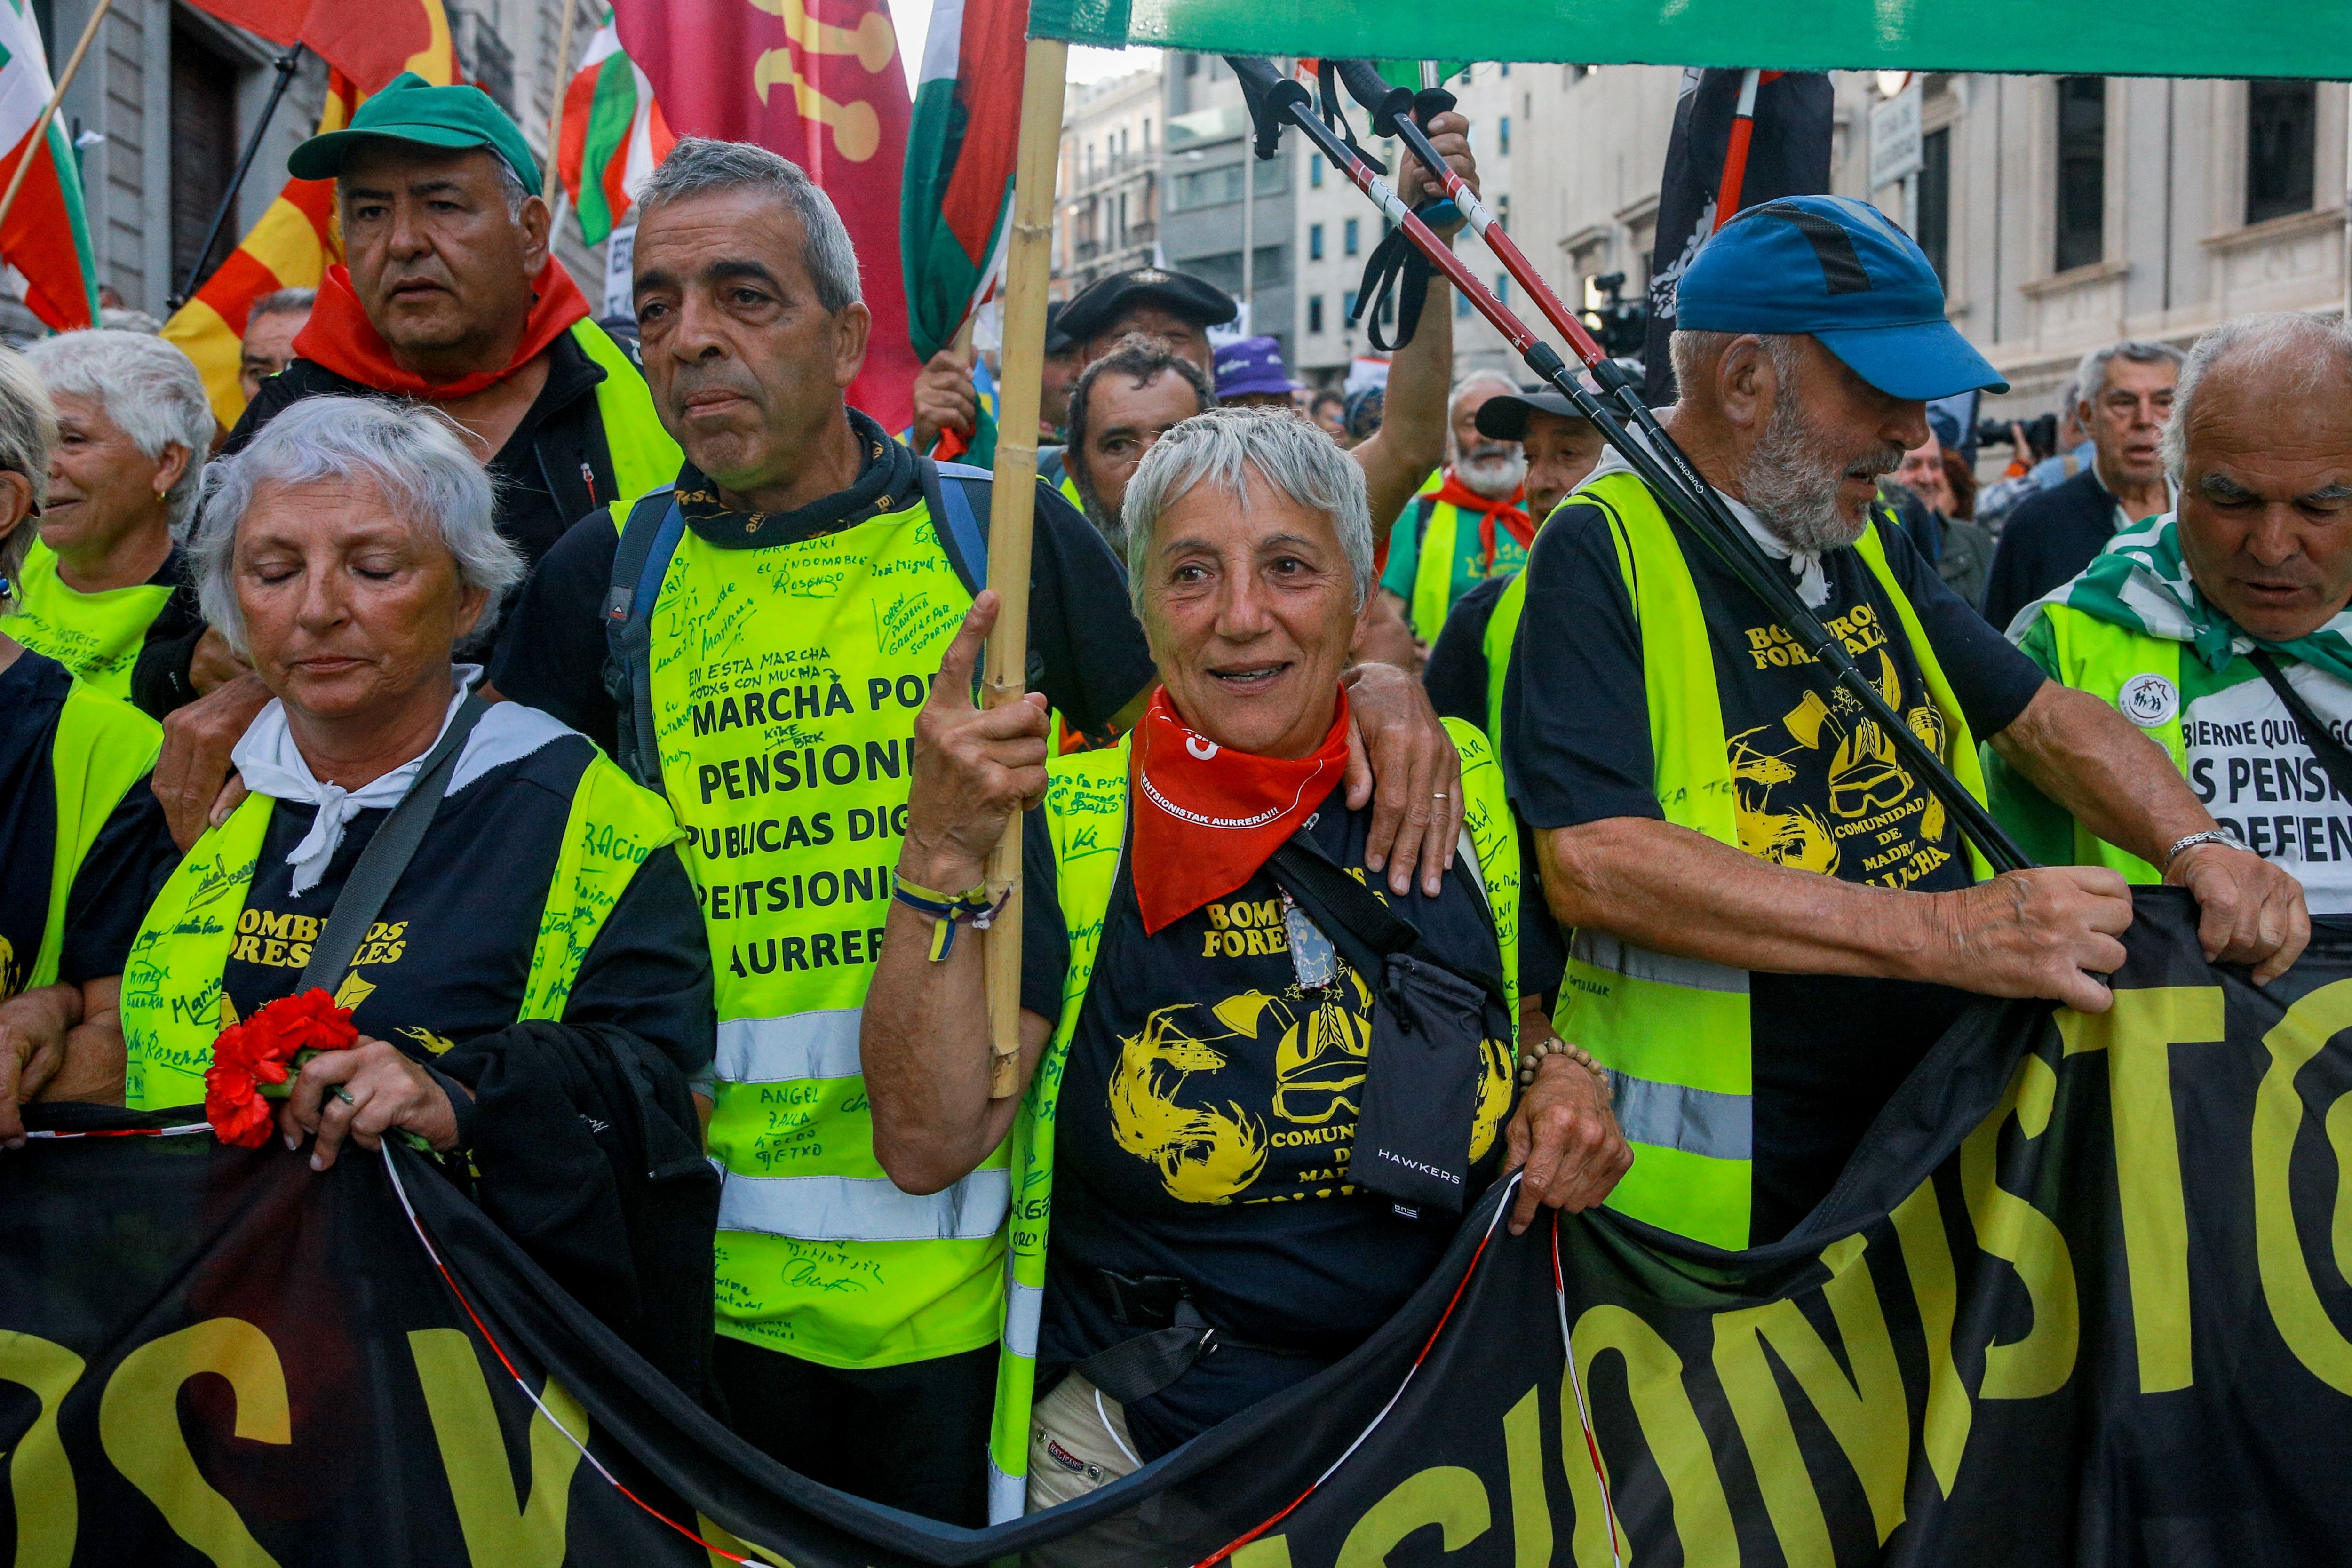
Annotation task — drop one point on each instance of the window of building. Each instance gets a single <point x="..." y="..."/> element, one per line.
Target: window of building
<point x="1147" y="136"/>
<point x="1314" y="242"/>
<point x="1461" y="304"/>
<point x="1503" y="136"/>
<point x="1352" y="243"/>
<point x="1350" y="300"/>
<point x="1465" y="76"/>
<point x="2082" y="170"/>
<point x="1192" y="64"/>
<point x="2281" y="136"/>
<point x="203" y="150"/>
<point x="1506" y="68"/>
<point x="1935" y="202"/>
<point x="1315" y="312"/>
<point x="1315" y="170"/>
<point x="1503" y="287"/>
<point x="1503" y="211"/>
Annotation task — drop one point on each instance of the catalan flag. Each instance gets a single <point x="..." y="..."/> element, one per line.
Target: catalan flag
<point x="296" y="241"/>
<point x="614" y="135"/>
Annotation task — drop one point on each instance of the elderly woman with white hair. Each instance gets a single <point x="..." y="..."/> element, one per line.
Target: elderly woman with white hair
<point x="496" y="904"/>
<point x="82" y="841"/>
<point x="1267" y="1090"/>
<point x="107" y="575"/>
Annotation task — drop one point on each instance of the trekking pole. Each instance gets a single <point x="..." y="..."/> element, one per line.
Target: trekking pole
<point x="1652" y="453"/>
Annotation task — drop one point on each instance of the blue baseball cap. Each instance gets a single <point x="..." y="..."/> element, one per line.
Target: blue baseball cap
<point x="1839" y="271"/>
<point x="1248" y="365"/>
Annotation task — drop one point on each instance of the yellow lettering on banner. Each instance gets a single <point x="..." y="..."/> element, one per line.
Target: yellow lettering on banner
<point x="2138" y="1033"/>
<point x="40" y="1478"/>
<point x="139" y="1423"/>
<point x="2302" y="1318"/>
<point x="474" y="1456"/>
<point x="721" y="1539"/>
<point x="2010" y="1227"/>
<point x="1530" y="1509"/>
<point x="1869" y="1417"/>
<point x="1446" y="1496"/>
<point x="1272" y="1552"/>
<point x="1670" y="1426"/>
<point x="1934" y="1288"/>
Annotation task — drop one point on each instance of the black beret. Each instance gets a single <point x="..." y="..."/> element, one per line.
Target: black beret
<point x="1057" y="339"/>
<point x="1102" y="302"/>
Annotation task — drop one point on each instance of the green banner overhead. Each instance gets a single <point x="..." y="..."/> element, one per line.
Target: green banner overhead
<point x="2156" y="38"/>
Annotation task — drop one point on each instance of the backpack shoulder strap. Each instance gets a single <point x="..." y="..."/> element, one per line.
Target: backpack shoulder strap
<point x="648" y="541"/>
<point x="958" y="496"/>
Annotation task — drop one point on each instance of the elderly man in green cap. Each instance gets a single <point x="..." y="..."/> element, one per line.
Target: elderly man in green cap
<point x="450" y="294"/>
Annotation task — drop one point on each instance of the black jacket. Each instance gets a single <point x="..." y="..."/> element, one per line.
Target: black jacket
<point x="586" y="1150"/>
<point x="553" y="470"/>
<point x="2046" y="541"/>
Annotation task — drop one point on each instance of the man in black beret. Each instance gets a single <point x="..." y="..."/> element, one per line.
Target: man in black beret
<point x="1176" y="307"/>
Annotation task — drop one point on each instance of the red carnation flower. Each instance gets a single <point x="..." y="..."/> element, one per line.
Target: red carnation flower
<point x="268" y="1050"/>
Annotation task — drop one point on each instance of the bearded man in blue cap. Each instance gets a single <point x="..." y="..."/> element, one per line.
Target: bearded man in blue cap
<point x="1774" y="917"/>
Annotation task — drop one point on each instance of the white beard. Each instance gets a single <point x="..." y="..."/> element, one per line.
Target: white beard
<point x="1792" y="485"/>
<point x="1496" y="475"/>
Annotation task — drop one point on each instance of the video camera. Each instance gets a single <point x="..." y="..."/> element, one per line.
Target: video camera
<point x="2041" y="434"/>
<point x="1622" y="326"/>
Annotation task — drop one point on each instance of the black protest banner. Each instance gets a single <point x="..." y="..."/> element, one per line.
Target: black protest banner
<point x="1787" y="156"/>
<point x="2081" y="1298"/>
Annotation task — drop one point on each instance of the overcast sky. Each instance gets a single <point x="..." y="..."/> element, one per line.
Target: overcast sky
<point x="913" y="18"/>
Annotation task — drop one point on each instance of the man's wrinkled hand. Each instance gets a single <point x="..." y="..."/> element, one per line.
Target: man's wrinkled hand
<point x="2248" y="911"/>
<point x="1401" y="759"/>
<point x="2042" y="933"/>
<point x="193" y="771"/>
<point x="944" y="399"/>
<point x="1450" y="134"/>
<point x="1565" y="1137"/>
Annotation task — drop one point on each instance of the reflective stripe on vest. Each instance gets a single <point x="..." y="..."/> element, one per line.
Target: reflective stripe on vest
<point x="171" y="990"/>
<point x="1085" y="819"/>
<point x="1433" y="568"/>
<point x="785" y="684"/>
<point x="2100" y="658"/>
<point x="102" y="749"/>
<point x="644" y="455"/>
<point x="95" y="636"/>
<point x="1674" y="1031"/>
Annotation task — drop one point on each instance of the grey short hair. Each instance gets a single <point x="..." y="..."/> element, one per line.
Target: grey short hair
<point x="283" y="302"/>
<point x="2091" y="375"/>
<point x="147" y="387"/>
<point x="414" y="456"/>
<point x="29" y="428"/>
<point x="1298" y="460"/>
<point x="699" y="165"/>
<point x="2309" y="346"/>
<point x="1693" y="351"/>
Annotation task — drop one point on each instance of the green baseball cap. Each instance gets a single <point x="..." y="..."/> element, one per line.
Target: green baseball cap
<point x="411" y="108"/>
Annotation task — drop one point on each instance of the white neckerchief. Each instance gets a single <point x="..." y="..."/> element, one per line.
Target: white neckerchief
<point x="270" y="763"/>
<point x="1805" y="566"/>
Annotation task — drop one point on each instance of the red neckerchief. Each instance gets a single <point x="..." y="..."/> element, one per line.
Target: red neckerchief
<point x="1206" y="818"/>
<point x="340" y="337"/>
<point x="1489" y="509"/>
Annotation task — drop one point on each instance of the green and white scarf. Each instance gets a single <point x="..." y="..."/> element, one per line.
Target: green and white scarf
<point x="2140" y="581"/>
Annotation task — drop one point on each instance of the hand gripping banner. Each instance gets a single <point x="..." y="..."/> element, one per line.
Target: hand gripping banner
<point x="2081" y="1298"/>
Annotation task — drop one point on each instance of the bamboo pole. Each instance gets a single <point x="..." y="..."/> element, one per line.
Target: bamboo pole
<point x="40" y="130"/>
<point x="555" y="115"/>
<point x="1027" y="270"/>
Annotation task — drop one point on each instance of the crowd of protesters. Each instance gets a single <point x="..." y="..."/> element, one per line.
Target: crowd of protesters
<point x="628" y="689"/>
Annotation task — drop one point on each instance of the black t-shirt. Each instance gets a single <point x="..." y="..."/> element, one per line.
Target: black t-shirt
<point x="1456" y="673"/>
<point x="1086" y="651"/>
<point x="1206" y="1114"/>
<point x="449" y="956"/>
<point x="2046" y="541"/>
<point x="125" y="867"/>
<point x="1818" y="789"/>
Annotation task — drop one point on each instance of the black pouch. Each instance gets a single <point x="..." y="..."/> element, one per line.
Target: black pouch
<point x="1427" y="1054"/>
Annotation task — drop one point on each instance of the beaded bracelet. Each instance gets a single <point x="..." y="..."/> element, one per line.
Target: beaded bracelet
<point x="1531" y="1058"/>
<point x="948" y="911"/>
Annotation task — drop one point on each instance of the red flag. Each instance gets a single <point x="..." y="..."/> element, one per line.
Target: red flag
<point x="371" y="44"/>
<point x="819" y="82"/>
